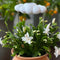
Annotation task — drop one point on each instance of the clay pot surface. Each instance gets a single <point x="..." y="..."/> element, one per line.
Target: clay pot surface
<point x="44" y="57"/>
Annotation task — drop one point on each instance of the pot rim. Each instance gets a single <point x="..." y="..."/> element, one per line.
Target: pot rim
<point x="32" y="57"/>
<point x="28" y="57"/>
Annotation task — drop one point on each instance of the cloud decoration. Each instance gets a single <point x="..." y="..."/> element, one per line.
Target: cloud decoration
<point x="30" y="8"/>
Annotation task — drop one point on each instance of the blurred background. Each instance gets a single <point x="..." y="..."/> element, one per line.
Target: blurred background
<point x="11" y="17"/>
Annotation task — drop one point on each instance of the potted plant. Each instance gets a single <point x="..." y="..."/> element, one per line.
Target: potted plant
<point x="32" y="43"/>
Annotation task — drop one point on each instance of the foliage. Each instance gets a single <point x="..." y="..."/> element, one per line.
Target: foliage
<point x="40" y="44"/>
<point x="7" y="7"/>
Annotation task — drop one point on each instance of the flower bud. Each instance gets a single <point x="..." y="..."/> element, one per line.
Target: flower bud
<point x="53" y="21"/>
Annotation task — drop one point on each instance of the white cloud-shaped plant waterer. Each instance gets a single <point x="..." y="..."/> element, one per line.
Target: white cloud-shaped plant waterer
<point x="30" y="8"/>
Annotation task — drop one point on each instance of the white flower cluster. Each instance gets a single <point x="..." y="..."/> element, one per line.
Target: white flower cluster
<point x="46" y="30"/>
<point x="30" y="8"/>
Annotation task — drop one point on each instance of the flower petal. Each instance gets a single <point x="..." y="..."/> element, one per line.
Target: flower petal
<point x="27" y="34"/>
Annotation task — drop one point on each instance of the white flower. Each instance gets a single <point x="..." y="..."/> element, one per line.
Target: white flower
<point x="47" y="29"/>
<point x="57" y="51"/>
<point x="30" y="8"/>
<point x="53" y="21"/>
<point x="1" y="41"/>
<point x="27" y="39"/>
<point x="58" y="36"/>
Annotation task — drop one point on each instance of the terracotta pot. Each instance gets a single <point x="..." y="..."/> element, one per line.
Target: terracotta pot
<point x="44" y="57"/>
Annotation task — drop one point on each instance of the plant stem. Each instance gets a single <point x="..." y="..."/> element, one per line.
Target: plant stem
<point x="44" y="17"/>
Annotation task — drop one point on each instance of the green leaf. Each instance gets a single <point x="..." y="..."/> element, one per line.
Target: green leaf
<point x="13" y="54"/>
<point x="46" y="48"/>
<point x="21" y="52"/>
<point x="36" y="54"/>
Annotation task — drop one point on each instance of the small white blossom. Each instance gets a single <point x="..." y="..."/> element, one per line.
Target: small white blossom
<point x="34" y="31"/>
<point x="45" y="21"/>
<point x="45" y="40"/>
<point x="16" y="29"/>
<point x="38" y="30"/>
<point x="4" y="36"/>
<point x="24" y="29"/>
<point x="38" y="33"/>
<point x="58" y="36"/>
<point x="53" y="21"/>
<point x="1" y="41"/>
<point x="27" y="39"/>
<point x="47" y="29"/>
<point x="57" y="51"/>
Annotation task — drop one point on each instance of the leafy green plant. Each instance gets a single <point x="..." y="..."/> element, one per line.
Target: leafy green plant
<point x="31" y="41"/>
